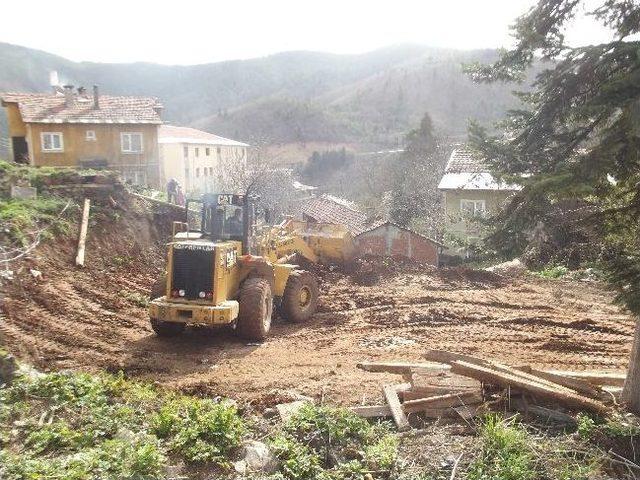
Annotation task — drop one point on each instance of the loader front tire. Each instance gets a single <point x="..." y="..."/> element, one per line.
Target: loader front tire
<point x="163" y="329"/>
<point x="256" y="307"/>
<point x="300" y="297"/>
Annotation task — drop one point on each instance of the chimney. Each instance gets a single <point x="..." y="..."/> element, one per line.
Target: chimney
<point x="53" y="81"/>
<point x="68" y="95"/>
<point x="96" y="98"/>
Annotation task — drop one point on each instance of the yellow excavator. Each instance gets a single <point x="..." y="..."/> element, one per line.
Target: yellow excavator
<point x="222" y="271"/>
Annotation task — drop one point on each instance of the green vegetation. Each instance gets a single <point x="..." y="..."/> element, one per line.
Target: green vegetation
<point x="332" y="443"/>
<point x="509" y="452"/>
<point x="551" y="272"/>
<point x="25" y="220"/>
<point x="81" y="426"/>
<point x="136" y="298"/>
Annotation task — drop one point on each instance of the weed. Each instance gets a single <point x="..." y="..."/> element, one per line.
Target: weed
<point x="505" y="452"/>
<point x="136" y="298"/>
<point x="322" y="442"/>
<point x="552" y="272"/>
<point x="199" y="430"/>
<point x="586" y="425"/>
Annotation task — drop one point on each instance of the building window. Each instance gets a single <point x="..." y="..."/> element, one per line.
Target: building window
<point x="197" y="172"/>
<point x="52" y="142"/>
<point x="219" y="151"/>
<point x="197" y="152"/>
<point x="205" y="171"/>
<point x="186" y="152"/>
<point x="472" y="208"/>
<point x="207" y="151"/>
<point x="90" y="135"/>
<point x="211" y="171"/>
<point x="131" y="142"/>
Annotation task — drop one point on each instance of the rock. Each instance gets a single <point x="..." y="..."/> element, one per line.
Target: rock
<point x="23" y="192"/>
<point x="35" y="273"/>
<point x="8" y="368"/>
<point x="287" y="410"/>
<point x="256" y="458"/>
<point x="511" y="268"/>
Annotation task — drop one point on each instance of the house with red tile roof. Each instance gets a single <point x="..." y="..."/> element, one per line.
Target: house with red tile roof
<point x="73" y="128"/>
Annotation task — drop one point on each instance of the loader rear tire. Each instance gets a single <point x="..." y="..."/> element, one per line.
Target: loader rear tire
<point x="256" y="307"/>
<point x="300" y="297"/>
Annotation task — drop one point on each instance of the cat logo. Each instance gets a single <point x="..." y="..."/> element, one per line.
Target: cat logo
<point x="232" y="258"/>
<point x="225" y="199"/>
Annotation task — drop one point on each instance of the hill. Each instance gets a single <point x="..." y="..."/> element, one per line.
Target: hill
<point x="291" y="96"/>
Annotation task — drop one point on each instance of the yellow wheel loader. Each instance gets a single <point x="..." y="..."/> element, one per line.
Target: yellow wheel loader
<point x="213" y="279"/>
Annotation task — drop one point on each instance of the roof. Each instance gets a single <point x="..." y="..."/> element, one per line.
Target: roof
<point x="330" y="209"/>
<point x="173" y="134"/>
<point x="383" y="223"/>
<point x="52" y="108"/>
<point x="465" y="170"/>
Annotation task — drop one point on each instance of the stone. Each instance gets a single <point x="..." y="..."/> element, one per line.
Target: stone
<point x="287" y="410"/>
<point x="23" y="193"/>
<point x="257" y="457"/>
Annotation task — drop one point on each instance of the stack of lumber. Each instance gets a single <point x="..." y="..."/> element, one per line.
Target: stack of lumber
<point x="451" y="384"/>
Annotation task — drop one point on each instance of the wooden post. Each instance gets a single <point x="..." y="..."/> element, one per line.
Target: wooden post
<point x="391" y="395"/>
<point x="83" y="232"/>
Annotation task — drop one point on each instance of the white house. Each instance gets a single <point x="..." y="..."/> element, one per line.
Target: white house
<point x="198" y="160"/>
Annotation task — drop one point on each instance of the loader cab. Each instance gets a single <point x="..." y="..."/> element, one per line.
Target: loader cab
<point x="222" y="217"/>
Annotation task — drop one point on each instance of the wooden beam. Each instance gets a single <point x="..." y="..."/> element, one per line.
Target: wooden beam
<point x="372" y="411"/>
<point x="391" y="395"/>
<point x="83" y="232"/>
<point x="576" y="384"/>
<point x="529" y="383"/>
<point x="611" y="379"/>
<point x="442" y="401"/>
<point x="401" y="368"/>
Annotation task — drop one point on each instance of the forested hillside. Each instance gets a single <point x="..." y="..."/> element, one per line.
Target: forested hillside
<point x="292" y="96"/>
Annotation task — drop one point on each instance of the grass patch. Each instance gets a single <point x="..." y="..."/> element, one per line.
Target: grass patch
<point x="136" y="298"/>
<point x="333" y="443"/>
<point x="552" y="272"/>
<point x="509" y="452"/>
<point x="82" y="426"/>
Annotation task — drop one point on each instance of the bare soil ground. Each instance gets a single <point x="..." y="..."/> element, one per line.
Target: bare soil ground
<point x="93" y="318"/>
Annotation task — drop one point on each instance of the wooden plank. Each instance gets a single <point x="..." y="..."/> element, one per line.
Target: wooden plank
<point x="451" y="357"/>
<point x="611" y="379"/>
<point x="522" y="382"/>
<point x="442" y="401"/>
<point x="391" y="395"/>
<point x="578" y="385"/>
<point x="372" y="411"/>
<point x="402" y="368"/>
<point x="83" y="233"/>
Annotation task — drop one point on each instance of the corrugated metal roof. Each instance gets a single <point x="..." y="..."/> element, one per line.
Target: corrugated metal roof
<point x="52" y="108"/>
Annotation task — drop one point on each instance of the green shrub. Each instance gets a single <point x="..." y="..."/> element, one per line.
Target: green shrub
<point x="323" y="442"/>
<point x="505" y="454"/>
<point x="199" y="430"/>
<point x="552" y="272"/>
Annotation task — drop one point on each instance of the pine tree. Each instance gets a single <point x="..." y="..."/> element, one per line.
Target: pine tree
<point x="577" y="136"/>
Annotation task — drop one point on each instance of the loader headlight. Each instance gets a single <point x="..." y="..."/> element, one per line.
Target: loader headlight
<point x="202" y="294"/>
<point x="174" y="293"/>
<point x="181" y="293"/>
<point x="209" y="295"/>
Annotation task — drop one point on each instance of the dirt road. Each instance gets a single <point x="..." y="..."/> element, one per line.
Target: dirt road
<point x="95" y="318"/>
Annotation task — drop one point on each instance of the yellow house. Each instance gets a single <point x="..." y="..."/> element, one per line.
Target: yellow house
<point x="200" y="161"/>
<point x="470" y="193"/>
<point x="71" y="128"/>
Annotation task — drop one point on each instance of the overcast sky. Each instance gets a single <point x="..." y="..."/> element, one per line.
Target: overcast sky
<point x="189" y="31"/>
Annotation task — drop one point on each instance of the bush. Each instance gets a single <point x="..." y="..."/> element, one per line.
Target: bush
<point x="81" y="426"/>
<point x="322" y="442"/>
